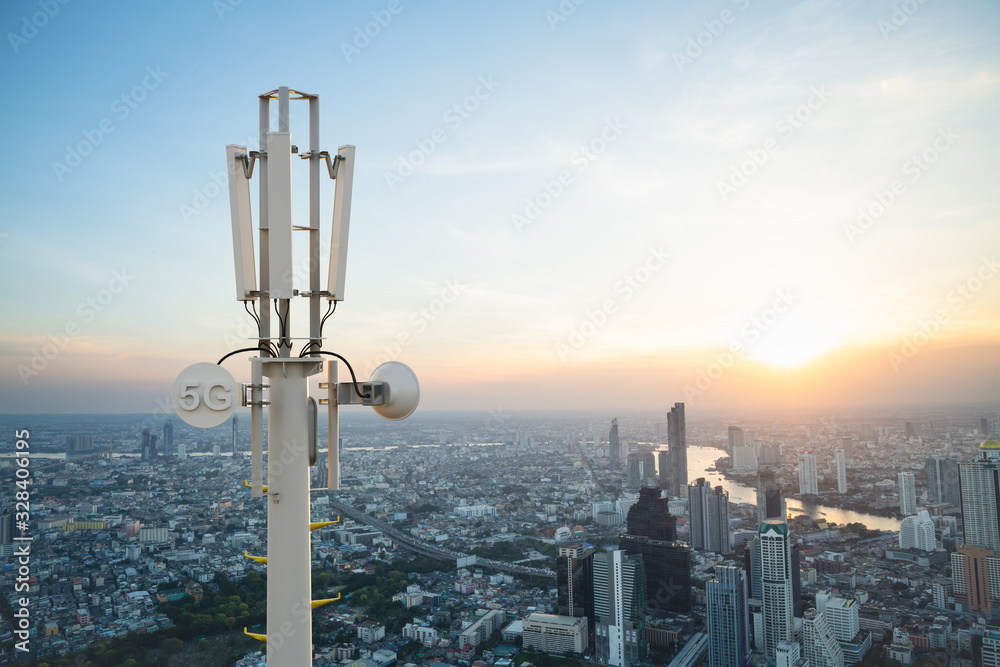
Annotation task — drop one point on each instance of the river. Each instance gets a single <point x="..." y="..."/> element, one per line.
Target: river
<point x="700" y="459"/>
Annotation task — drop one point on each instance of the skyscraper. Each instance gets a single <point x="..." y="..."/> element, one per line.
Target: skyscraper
<point x="6" y="526"/>
<point x="917" y="532"/>
<point x="808" y="481"/>
<point x="847" y="444"/>
<point x="942" y="480"/>
<point x="620" y="608"/>
<point x="728" y="618"/>
<point x="664" y="461"/>
<point x="776" y="584"/>
<point x="819" y="644"/>
<point x="735" y="438"/>
<point x="614" y="446"/>
<point x="677" y="435"/>
<point x="575" y="577"/>
<point x="168" y="438"/>
<point x="148" y="451"/>
<point x="841" y="458"/>
<point x="652" y="533"/>
<point x="708" y="509"/>
<point x="236" y="430"/>
<point x="907" y="494"/>
<point x="770" y="504"/>
<point x="633" y="472"/>
<point x="980" y="492"/>
<point x="975" y="575"/>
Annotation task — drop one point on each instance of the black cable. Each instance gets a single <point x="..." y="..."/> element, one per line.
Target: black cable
<point x="260" y="348"/>
<point x="353" y="378"/>
<point x="270" y="348"/>
<point x="329" y="311"/>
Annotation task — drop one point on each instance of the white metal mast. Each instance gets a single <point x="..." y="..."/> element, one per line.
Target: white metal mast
<point x="205" y="394"/>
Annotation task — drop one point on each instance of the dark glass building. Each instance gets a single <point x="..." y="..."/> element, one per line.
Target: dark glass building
<point x="652" y="533"/>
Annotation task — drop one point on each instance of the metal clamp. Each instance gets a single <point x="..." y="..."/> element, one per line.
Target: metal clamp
<point x="331" y="161"/>
<point x="249" y="160"/>
<point x="245" y="400"/>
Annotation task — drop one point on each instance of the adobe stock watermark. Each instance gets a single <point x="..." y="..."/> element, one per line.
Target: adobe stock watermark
<point x="786" y="127"/>
<point x="751" y="331"/>
<point x="453" y="116"/>
<point x="900" y="16"/>
<point x="31" y="24"/>
<point x="703" y="39"/>
<point x="223" y="7"/>
<point x="957" y="298"/>
<point x="913" y="168"/>
<point x="86" y="311"/>
<point x="363" y="35"/>
<point x="122" y="107"/>
<point x="561" y="13"/>
<point x="216" y="184"/>
<point x="418" y="322"/>
<point x="581" y="159"/>
<point x="624" y="289"/>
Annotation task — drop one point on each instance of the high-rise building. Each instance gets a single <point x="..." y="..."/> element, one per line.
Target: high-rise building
<point x="843" y="615"/>
<point x="776" y="584"/>
<point x="148" y="451"/>
<point x="620" y="608"/>
<point x="6" y="526"/>
<point x="980" y="491"/>
<point x="664" y="461"/>
<point x="735" y="438"/>
<point x="168" y="438"/>
<point x="770" y="504"/>
<point x="745" y="459"/>
<point x="614" y="446"/>
<point x="677" y="437"/>
<point x="575" y="581"/>
<point x="819" y="644"/>
<point x="841" y="458"/>
<point x="975" y="575"/>
<point x="751" y="565"/>
<point x="808" y="481"/>
<point x="917" y="532"/>
<point x="991" y="646"/>
<point x="943" y="480"/>
<point x="641" y="467"/>
<point x="907" y="494"/>
<point x="236" y="431"/>
<point x="79" y="443"/>
<point x="847" y="444"/>
<point x="652" y="533"/>
<point x="708" y="509"/>
<point x="728" y="618"/>
<point x="911" y="431"/>
<point x="181" y="450"/>
<point x="788" y="654"/>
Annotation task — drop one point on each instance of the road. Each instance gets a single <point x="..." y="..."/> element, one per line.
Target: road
<point x="425" y="549"/>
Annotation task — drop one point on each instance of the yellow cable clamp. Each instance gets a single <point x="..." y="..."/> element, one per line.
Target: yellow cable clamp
<point x="320" y="603"/>
<point x="246" y="483"/>
<point x="258" y="637"/>
<point x="259" y="559"/>
<point x="320" y="524"/>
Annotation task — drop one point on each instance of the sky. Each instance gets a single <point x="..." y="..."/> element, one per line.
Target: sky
<point x="574" y="204"/>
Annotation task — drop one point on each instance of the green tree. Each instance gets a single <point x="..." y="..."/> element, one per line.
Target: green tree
<point x="203" y="645"/>
<point x="172" y="645"/>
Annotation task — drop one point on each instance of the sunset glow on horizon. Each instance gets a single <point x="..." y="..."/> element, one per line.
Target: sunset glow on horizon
<point x="798" y="210"/>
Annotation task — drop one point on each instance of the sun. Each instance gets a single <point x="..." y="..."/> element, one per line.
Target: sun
<point x="793" y="342"/>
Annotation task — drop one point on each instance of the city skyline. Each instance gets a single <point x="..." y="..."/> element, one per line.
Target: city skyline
<point x="569" y="209"/>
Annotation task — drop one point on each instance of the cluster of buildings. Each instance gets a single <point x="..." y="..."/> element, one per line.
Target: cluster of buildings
<point x="647" y="565"/>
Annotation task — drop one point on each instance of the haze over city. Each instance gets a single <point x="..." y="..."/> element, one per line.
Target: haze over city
<point x="574" y="206"/>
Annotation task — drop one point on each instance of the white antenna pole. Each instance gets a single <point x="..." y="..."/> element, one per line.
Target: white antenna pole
<point x="205" y="395"/>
